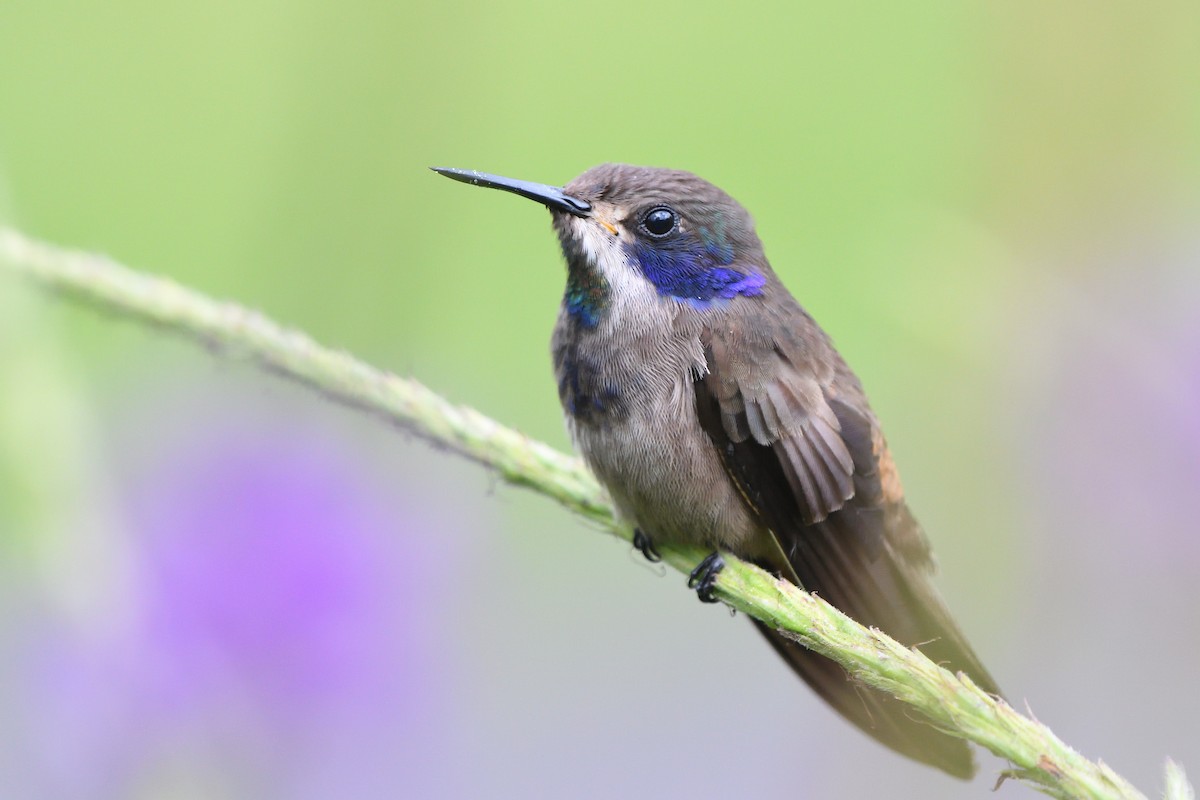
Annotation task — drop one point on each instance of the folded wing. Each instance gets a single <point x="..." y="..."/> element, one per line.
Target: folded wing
<point x="797" y="437"/>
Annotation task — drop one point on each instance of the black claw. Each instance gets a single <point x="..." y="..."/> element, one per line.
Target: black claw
<point x="704" y="577"/>
<point x="642" y="542"/>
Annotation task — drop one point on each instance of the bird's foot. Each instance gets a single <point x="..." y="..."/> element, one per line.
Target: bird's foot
<point x="644" y="545"/>
<point x="704" y="577"/>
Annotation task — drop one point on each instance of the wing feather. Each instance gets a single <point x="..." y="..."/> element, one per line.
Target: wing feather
<point x="797" y="437"/>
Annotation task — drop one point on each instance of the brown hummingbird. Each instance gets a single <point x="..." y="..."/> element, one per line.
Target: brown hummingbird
<point x="717" y="412"/>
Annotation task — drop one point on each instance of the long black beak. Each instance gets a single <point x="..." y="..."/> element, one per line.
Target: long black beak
<point x="550" y="196"/>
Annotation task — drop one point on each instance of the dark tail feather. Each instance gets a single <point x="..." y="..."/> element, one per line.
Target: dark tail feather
<point x="879" y="715"/>
<point x="880" y="587"/>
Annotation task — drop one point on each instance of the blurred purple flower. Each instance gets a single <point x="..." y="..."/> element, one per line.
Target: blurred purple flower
<point x="284" y="639"/>
<point x="1110" y="463"/>
<point x="262" y="561"/>
<point x="1114" y="414"/>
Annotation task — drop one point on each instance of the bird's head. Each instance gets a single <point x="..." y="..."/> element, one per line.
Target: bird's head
<point x="647" y="231"/>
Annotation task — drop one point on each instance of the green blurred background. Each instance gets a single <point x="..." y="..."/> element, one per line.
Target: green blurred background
<point x="213" y="584"/>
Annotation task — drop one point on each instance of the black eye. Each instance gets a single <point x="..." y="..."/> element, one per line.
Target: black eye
<point x="659" y="221"/>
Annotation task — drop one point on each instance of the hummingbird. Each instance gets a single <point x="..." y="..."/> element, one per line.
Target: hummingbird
<point x="717" y="413"/>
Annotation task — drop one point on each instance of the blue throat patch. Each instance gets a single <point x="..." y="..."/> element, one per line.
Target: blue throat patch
<point x="692" y="269"/>
<point x="695" y="269"/>
<point x="586" y="296"/>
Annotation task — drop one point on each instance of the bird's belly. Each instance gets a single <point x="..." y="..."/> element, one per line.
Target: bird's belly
<point x="661" y="468"/>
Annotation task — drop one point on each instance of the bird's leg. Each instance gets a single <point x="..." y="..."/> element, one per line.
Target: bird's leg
<point x="644" y="545"/>
<point x="704" y="576"/>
